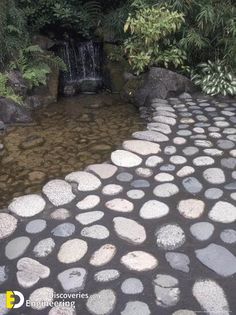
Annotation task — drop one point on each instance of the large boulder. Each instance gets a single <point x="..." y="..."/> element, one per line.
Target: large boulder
<point x="11" y="112"/>
<point x="162" y="83"/>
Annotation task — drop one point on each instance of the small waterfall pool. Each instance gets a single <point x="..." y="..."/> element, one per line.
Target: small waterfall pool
<point x="84" y="64"/>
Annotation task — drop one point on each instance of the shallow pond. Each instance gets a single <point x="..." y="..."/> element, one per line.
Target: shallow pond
<point x="66" y="137"/>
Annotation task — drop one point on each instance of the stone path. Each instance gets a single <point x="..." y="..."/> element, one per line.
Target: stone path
<point x="151" y="233"/>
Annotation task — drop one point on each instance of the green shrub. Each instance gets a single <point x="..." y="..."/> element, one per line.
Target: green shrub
<point x="150" y="41"/>
<point x="215" y="78"/>
<point x="7" y="91"/>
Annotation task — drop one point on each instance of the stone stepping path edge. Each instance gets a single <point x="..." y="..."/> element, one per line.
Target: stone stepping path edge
<point x="150" y="232"/>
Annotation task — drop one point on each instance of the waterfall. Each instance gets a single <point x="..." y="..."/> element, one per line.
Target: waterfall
<point x="84" y="66"/>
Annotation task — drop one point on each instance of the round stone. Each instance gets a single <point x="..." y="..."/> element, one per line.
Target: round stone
<point x="112" y="189"/>
<point x="86" y="181"/>
<point x="167" y="168"/>
<point x="3" y="274"/>
<point x="8" y="225"/>
<point x="228" y="236"/>
<point x="153" y="136"/>
<point x="153" y="209"/>
<point x="41" y="298"/>
<point x="166" y="290"/>
<point x="140" y="183"/>
<point x="203" y="161"/>
<point x="36" y="226"/>
<point x="30" y="271"/>
<point x="59" y="192"/>
<point x="64" y="230"/>
<point x="170" y="236"/>
<point x="184" y="312"/>
<point x="169" y="150"/>
<point x="203" y="143"/>
<point x="101" y="303"/>
<point x="106" y="275"/>
<point x="88" y="202"/>
<point x="229" y="163"/>
<point x="132" y="286"/>
<point x="164" y="177"/>
<point x="72" y="251"/>
<point x="137" y="308"/>
<point x="27" y="206"/>
<point x="143" y="172"/>
<point x="124" y="177"/>
<point x="165" y="190"/>
<point x="103" y="255"/>
<point x="184" y="133"/>
<point x="16" y="247"/>
<point x="125" y="158"/>
<point x="44" y="247"/>
<point x="190" y="151"/>
<point x="72" y="280"/>
<point x="139" y="261"/>
<point x="104" y="171"/>
<point x="225" y="144"/>
<point x="191" y="208"/>
<point x="179" y="140"/>
<point x="210" y="296"/>
<point x="213" y="152"/>
<point x="98" y="232"/>
<point x="89" y="217"/>
<point x="60" y="214"/>
<point x="223" y="212"/>
<point x="192" y="185"/>
<point x="214" y="175"/>
<point x="121" y="205"/>
<point x="202" y="231"/>
<point x="233" y="153"/>
<point x="153" y="161"/>
<point x="129" y="230"/>
<point x="135" y="194"/>
<point x="178" y="261"/>
<point x="141" y="147"/>
<point x="213" y="193"/>
<point x="185" y="171"/>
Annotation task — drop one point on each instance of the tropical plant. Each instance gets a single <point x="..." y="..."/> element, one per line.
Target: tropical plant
<point x="7" y="91"/>
<point x="215" y="78"/>
<point x="35" y="65"/>
<point x="150" y="41"/>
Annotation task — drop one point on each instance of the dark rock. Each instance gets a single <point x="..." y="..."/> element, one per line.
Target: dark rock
<point x="11" y="112"/>
<point x="89" y="86"/>
<point x="43" y="42"/>
<point x="69" y="90"/>
<point x="17" y="83"/>
<point x="162" y="83"/>
<point x="32" y="142"/>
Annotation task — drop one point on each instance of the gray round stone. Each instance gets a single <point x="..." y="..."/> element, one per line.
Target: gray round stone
<point x="178" y="261"/>
<point x="140" y="183"/>
<point x="64" y="230"/>
<point x="107" y="275"/>
<point x="44" y="247"/>
<point x="137" y="308"/>
<point x="192" y="185"/>
<point x="136" y="194"/>
<point x="72" y="280"/>
<point x="3" y="274"/>
<point x="202" y="231"/>
<point x="36" y="226"/>
<point x="16" y="247"/>
<point x="228" y="236"/>
<point x="124" y="177"/>
<point x="213" y="193"/>
<point x="132" y="286"/>
<point x="101" y="303"/>
<point x="190" y="151"/>
<point x="225" y="144"/>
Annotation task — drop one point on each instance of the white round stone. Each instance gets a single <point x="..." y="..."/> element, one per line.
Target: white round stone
<point x="86" y="181"/>
<point x="203" y="161"/>
<point x="166" y="190"/>
<point x="41" y="298"/>
<point x="132" y="286"/>
<point x="121" y="205"/>
<point x="170" y="236"/>
<point x="135" y="194"/>
<point x="59" y="192"/>
<point x="141" y="147"/>
<point x="103" y="255"/>
<point x="106" y="275"/>
<point x="60" y="214"/>
<point x="143" y="172"/>
<point x="99" y="232"/>
<point x="153" y="209"/>
<point x="191" y="208"/>
<point x="88" y="202"/>
<point x="44" y="247"/>
<point x="125" y="158"/>
<point x="178" y="159"/>
<point x="101" y="303"/>
<point x="139" y="261"/>
<point x="104" y="171"/>
<point x="8" y="225"/>
<point x="214" y="175"/>
<point x="89" y="217"/>
<point x="129" y="230"/>
<point x="62" y="310"/>
<point x="184" y="312"/>
<point x="223" y="212"/>
<point x="28" y="205"/>
<point x="153" y="161"/>
<point x="179" y="140"/>
<point x="72" y="251"/>
<point x="112" y="189"/>
<point x="137" y="308"/>
<point x="164" y="177"/>
<point x="185" y="171"/>
<point x="211" y="297"/>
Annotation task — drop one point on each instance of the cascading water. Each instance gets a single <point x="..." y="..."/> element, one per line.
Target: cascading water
<point x="84" y="67"/>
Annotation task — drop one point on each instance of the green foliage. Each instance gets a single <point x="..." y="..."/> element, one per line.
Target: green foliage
<point x="150" y="41"/>
<point x="7" y="91"/>
<point x="69" y="14"/>
<point x="215" y="78"/>
<point x="13" y="34"/>
<point x="35" y="65"/>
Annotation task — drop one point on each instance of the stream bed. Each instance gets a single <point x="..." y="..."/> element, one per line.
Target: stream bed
<point x="66" y="136"/>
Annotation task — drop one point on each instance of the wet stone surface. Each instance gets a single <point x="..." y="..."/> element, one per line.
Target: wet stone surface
<point x="149" y="231"/>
